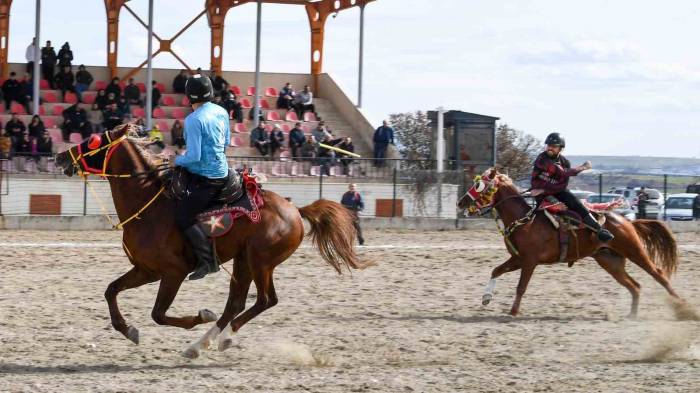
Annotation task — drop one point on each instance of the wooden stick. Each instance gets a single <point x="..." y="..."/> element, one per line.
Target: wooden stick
<point x="339" y="150"/>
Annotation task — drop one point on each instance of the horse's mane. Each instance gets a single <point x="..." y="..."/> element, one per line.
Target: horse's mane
<point x="152" y="159"/>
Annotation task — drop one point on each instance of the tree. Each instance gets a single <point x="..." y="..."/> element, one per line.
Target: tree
<point x="413" y="134"/>
<point x="515" y="151"/>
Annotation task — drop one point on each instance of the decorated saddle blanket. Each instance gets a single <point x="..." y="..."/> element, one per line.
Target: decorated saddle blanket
<point x="218" y="219"/>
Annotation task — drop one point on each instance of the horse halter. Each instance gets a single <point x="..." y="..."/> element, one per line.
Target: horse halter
<point x="482" y="193"/>
<point x="95" y="144"/>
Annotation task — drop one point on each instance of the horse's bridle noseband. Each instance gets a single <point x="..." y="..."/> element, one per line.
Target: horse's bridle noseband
<point x="83" y="169"/>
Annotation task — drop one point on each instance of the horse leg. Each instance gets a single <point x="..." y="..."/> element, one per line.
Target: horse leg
<point x="131" y="279"/>
<point x="528" y="267"/>
<point x="614" y="264"/>
<point x="235" y="304"/>
<point x="267" y="298"/>
<point x="508" y="266"/>
<point x="169" y="285"/>
<point x="641" y="259"/>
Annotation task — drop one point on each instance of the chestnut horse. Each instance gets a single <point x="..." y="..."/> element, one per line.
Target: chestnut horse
<point x="158" y="251"/>
<point x="534" y="240"/>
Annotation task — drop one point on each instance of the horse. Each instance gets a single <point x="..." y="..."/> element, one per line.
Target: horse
<point x="531" y="240"/>
<point x="158" y="252"/>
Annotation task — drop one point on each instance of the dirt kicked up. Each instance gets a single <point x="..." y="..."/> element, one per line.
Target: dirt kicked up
<point x="414" y="322"/>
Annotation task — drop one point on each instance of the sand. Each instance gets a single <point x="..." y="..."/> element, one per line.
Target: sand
<point x="412" y="323"/>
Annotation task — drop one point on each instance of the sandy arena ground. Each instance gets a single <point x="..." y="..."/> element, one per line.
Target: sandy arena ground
<point x="412" y="323"/>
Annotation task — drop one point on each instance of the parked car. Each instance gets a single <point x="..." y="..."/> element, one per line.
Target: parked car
<point x="581" y="194"/>
<point x="624" y="210"/>
<point x="679" y="207"/>
<point x="693" y="189"/>
<point x="654" y="204"/>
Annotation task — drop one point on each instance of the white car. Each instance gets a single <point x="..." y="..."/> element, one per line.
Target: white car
<point x="679" y="207"/>
<point x="654" y="207"/>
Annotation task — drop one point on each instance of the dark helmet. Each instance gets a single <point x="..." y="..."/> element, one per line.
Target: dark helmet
<point x="555" y="139"/>
<point x="199" y="89"/>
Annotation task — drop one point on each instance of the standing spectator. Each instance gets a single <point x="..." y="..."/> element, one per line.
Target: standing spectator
<point x="5" y="144"/>
<point x="132" y="93"/>
<point x="178" y="134"/>
<point x="15" y="129"/>
<point x="36" y="127"/>
<point x="114" y="87"/>
<point x="30" y="55"/>
<point x="48" y="62"/>
<point x="179" y="82"/>
<point x="276" y="139"/>
<point x="259" y="139"/>
<point x="65" y="56"/>
<point x="44" y="149"/>
<point x="83" y="80"/>
<point x="642" y="200"/>
<point x="233" y="107"/>
<point x="309" y="150"/>
<point x="304" y="102"/>
<point x="112" y="117"/>
<point x="286" y="97"/>
<point x="100" y="101"/>
<point x="64" y="81"/>
<point x="383" y="136"/>
<point x="352" y="200"/>
<point x="27" y="86"/>
<point x="296" y="140"/>
<point x="155" y="96"/>
<point x="75" y="119"/>
<point x="346" y="160"/>
<point x="12" y="91"/>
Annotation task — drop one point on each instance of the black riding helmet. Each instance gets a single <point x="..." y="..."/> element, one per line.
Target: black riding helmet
<point x="199" y="89"/>
<point x="555" y="139"/>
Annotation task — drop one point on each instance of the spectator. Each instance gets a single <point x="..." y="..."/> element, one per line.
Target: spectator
<point x="345" y="159"/>
<point x="111" y="99"/>
<point x="44" y="149"/>
<point x="75" y="119"/>
<point x="27" y="86"/>
<point x="15" y="129"/>
<point x="114" y="87"/>
<point x="320" y="133"/>
<point x="642" y="200"/>
<point x="12" y="91"/>
<point x="219" y="83"/>
<point x="156" y="137"/>
<point x="276" y="139"/>
<point x="30" y="55"/>
<point x="179" y="82"/>
<point x="296" y="140"/>
<point x="383" y="136"/>
<point x="132" y="93"/>
<point x="100" y="101"/>
<point x="142" y="131"/>
<point x="65" y="56"/>
<point x="303" y="102"/>
<point x="124" y="108"/>
<point x="112" y="117"/>
<point x="48" y="62"/>
<point x="155" y="95"/>
<point x="286" y="97"/>
<point x="233" y="107"/>
<point x="326" y="156"/>
<point x="23" y="150"/>
<point x="83" y="80"/>
<point x="217" y="100"/>
<point x="309" y="150"/>
<point x="36" y="127"/>
<point x="352" y="200"/>
<point x="5" y="144"/>
<point x="260" y="140"/>
<point x="65" y="81"/>
<point x="178" y="134"/>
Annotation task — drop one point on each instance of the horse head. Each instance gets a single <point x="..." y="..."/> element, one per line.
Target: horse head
<point x="484" y="193"/>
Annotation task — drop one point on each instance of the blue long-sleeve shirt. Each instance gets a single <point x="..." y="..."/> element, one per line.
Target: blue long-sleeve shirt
<point x="207" y="133"/>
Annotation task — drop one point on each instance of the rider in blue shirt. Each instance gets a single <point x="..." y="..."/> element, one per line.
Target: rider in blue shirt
<point x="207" y="133"/>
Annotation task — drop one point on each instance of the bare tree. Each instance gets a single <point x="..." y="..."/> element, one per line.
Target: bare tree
<point x="516" y="151"/>
<point x="413" y="134"/>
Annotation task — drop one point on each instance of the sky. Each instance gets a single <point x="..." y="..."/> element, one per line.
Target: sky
<point x="614" y="77"/>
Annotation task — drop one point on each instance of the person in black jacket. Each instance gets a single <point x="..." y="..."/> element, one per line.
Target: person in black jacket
<point x="15" y="128"/>
<point x="233" y="107"/>
<point x="383" y="136"/>
<point x="296" y="140"/>
<point x="352" y="200"/>
<point x="155" y="95"/>
<point x="12" y="91"/>
<point x="64" y="81"/>
<point x="179" y="82"/>
<point x="75" y="120"/>
<point x="48" y="63"/>
<point x="346" y="160"/>
<point x="114" y="87"/>
<point x="65" y="56"/>
<point x="260" y="140"/>
<point x="36" y="127"/>
<point x="276" y="139"/>
<point x="100" y="101"/>
<point x="112" y="117"/>
<point x="44" y="149"/>
<point x="83" y="80"/>
<point x="219" y="83"/>
<point x="132" y="93"/>
<point x="178" y="134"/>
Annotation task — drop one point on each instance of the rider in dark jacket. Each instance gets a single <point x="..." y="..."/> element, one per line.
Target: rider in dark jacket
<point x="550" y="177"/>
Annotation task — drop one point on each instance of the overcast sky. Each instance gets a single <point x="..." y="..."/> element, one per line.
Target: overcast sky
<point x="615" y="77"/>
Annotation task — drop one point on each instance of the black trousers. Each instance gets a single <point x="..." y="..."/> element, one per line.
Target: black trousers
<point x="572" y="202"/>
<point x="201" y="191"/>
<point x="47" y="72"/>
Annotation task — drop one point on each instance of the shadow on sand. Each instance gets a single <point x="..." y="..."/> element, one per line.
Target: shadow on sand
<point x="10" y="368"/>
<point x="472" y="319"/>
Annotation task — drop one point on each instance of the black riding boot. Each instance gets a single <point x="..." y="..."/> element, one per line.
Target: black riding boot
<point x="603" y="234"/>
<point x="203" y="252"/>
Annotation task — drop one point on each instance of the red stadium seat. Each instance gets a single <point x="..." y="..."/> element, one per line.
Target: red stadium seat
<point x="185" y="101"/>
<point x="271" y="92"/>
<point x="264" y="104"/>
<point x="268" y="127"/>
<point x="286" y="127"/>
<point x="163" y="126"/>
<point x="250" y="91"/>
<point x="240" y="127"/>
<point x="57" y="110"/>
<point x="138" y="112"/>
<point x="236" y="90"/>
<point x="178" y="113"/>
<point x="291" y="116"/>
<point x="272" y="116"/>
<point x="245" y="103"/>
<point x="160" y="87"/>
<point x="89" y="97"/>
<point x="50" y="97"/>
<point x="44" y="84"/>
<point x="168" y="101"/>
<point x="70" y="98"/>
<point x="306" y="129"/>
<point x="100" y="85"/>
<point x="159" y="113"/>
<point x="49" y="123"/>
<point x="141" y="86"/>
<point x="42" y="111"/>
<point x="75" y="138"/>
<point x="122" y="85"/>
<point x="309" y="116"/>
<point x="56" y="135"/>
<point x="17" y="108"/>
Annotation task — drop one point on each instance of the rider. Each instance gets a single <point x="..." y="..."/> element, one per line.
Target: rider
<point x="550" y="176"/>
<point x="207" y="133"/>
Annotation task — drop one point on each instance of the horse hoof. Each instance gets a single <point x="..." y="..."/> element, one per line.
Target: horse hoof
<point x="207" y="316"/>
<point x="225" y="344"/>
<point x="132" y="334"/>
<point x="486" y="299"/>
<point x="191" y="353"/>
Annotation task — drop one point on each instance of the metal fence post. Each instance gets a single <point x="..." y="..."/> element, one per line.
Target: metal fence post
<point x="320" y="184"/>
<point x="85" y="197"/>
<point x="393" y="200"/>
<point x="665" y="194"/>
<point x="600" y="187"/>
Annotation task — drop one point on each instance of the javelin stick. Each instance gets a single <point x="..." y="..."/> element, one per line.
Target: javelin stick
<point x="339" y="150"/>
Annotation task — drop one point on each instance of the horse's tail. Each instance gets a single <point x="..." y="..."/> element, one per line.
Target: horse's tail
<point x="659" y="243"/>
<point x="333" y="233"/>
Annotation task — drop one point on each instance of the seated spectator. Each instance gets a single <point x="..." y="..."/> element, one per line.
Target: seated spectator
<point x="218" y="83"/>
<point x="320" y="132"/>
<point x="44" y="150"/>
<point x="95" y="120"/>
<point x="142" y="131"/>
<point x="5" y="144"/>
<point x="111" y="99"/>
<point x="23" y="150"/>
<point x="178" y="134"/>
<point x="286" y="97"/>
<point x="155" y="96"/>
<point x="124" y="108"/>
<point x="12" y="91"/>
<point x="112" y="117"/>
<point x="75" y="119"/>
<point x="233" y="107"/>
<point x="180" y="81"/>
<point x="156" y="137"/>
<point x="15" y="129"/>
<point x="296" y="140"/>
<point x="132" y="93"/>
<point x="309" y="150"/>
<point x="114" y="87"/>
<point x="100" y="101"/>
<point x="65" y="56"/>
<point x="326" y="156"/>
<point x="260" y="140"/>
<point x="303" y="102"/>
<point x="48" y="63"/>
<point x="28" y="91"/>
<point x="36" y="127"/>
<point x="346" y="160"/>
<point x="276" y="138"/>
<point x="217" y="100"/>
<point x="83" y="80"/>
<point x="65" y="81"/>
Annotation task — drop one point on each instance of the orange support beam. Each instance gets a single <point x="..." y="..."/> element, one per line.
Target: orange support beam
<point x="113" y="7"/>
<point x="4" y="36"/>
<point x="216" y="14"/>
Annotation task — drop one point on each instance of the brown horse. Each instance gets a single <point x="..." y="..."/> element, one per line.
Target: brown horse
<point x="534" y="240"/>
<point x="158" y="251"/>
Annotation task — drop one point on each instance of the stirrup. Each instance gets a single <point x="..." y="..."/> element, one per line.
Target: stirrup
<point x="605" y="236"/>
